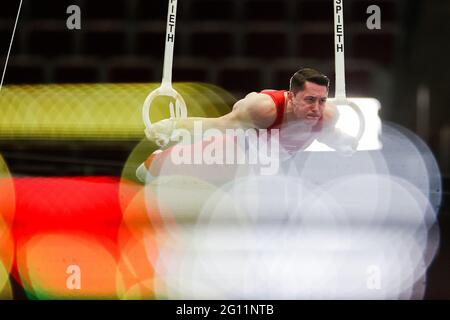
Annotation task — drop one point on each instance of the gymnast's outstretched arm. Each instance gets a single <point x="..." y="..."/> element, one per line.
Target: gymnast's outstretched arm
<point x="254" y="111"/>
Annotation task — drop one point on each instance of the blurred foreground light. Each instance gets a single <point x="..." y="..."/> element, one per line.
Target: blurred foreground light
<point x="68" y="266"/>
<point x="137" y="245"/>
<point x="325" y="227"/>
<point x="95" y="111"/>
<point x="7" y="208"/>
<point x="5" y="284"/>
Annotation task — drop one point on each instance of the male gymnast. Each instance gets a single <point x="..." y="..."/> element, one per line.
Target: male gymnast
<point x="301" y="114"/>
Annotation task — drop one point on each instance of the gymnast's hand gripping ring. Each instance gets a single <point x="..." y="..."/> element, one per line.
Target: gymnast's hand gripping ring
<point x="357" y="110"/>
<point x="177" y="110"/>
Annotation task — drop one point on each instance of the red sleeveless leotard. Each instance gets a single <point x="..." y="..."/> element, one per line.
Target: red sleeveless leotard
<point x="280" y="101"/>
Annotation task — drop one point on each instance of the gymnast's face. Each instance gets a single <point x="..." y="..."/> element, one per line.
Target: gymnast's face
<point x="309" y="103"/>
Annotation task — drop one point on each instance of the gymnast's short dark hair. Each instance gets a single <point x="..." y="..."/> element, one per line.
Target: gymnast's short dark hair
<point x="298" y="80"/>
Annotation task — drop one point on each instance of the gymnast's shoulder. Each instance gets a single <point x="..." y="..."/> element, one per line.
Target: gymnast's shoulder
<point x="255" y="107"/>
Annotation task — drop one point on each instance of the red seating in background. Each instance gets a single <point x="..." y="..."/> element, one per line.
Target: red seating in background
<point x="194" y="73"/>
<point x="266" y="44"/>
<point x="375" y="46"/>
<point x="151" y="43"/>
<point x="151" y="11"/>
<point x="281" y="78"/>
<point x="20" y="72"/>
<point x="358" y="83"/>
<point x="315" y="11"/>
<point x="5" y="36"/>
<point x="51" y="42"/>
<point x="131" y="73"/>
<point x="239" y="77"/>
<point x="212" y="44"/>
<point x="76" y="72"/>
<point x="258" y="31"/>
<point x="46" y="9"/>
<point x="204" y="10"/>
<point x="9" y="10"/>
<point x="104" y="43"/>
<point x="318" y="45"/>
<point x="265" y="10"/>
<point x="105" y="9"/>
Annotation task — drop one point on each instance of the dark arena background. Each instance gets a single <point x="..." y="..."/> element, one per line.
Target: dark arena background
<point x="72" y="136"/>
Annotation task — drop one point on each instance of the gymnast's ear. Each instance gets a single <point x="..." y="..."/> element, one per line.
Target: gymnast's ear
<point x="290" y="95"/>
